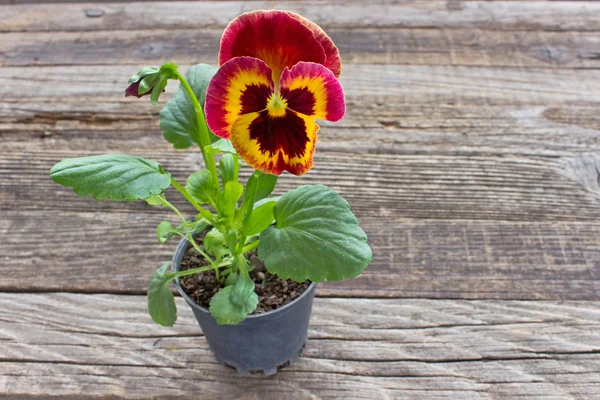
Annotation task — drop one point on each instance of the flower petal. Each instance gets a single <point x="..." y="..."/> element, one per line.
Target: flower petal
<point x="313" y="90"/>
<point x="241" y="86"/>
<point x="275" y="37"/>
<point x="332" y="54"/>
<point x="274" y="144"/>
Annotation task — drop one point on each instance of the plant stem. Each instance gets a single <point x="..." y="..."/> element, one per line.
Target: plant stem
<point x="203" y="135"/>
<point x="251" y="246"/>
<point x="214" y="266"/>
<point x="172" y="207"/>
<point x="205" y="213"/>
<point x="189" y="272"/>
<point x="248" y="205"/>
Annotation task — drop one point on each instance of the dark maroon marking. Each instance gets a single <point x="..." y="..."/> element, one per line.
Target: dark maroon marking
<point x="286" y="133"/>
<point x="300" y="100"/>
<point x="255" y="98"/>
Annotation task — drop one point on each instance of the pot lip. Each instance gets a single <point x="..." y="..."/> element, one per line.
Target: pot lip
<point x="204" y="310"/>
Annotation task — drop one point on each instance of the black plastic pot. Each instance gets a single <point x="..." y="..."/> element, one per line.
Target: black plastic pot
<point x="262" y="343"/>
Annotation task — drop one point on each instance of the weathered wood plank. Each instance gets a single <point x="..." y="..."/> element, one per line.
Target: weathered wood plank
<point x="410" y="84"/>
<point x="397" y="186"/>
<point x="484" y="15"/>
<point x="371" y="125"/>
<point x="357" y="46"/>
<point x="101" y="345"/>
<point x="117" y="253"/>
<point x="391" y="109"/>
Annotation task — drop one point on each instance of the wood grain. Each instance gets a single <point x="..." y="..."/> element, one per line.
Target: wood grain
<point x="357" y="46"/>
<point x="412" y="84"/>
<point x="391" y="109"/>
<point x="106" y="345"/>
<point x="117" y="253"/>
<point x="460" y="187"/>
<point x="484" y="15"/>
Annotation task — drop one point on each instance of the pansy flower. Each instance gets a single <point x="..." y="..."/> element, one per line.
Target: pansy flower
<point x="279" y="72"/>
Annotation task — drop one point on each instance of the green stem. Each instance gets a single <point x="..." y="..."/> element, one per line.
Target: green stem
<point x="204" y="212"/>
<point x="172" y="207"/>
<point x="248" y="205"/>
<point x="213" y="265"/>
<point x="251" y="246"/>
<point x="203" y="135"/>
<point x="189" y="272"/>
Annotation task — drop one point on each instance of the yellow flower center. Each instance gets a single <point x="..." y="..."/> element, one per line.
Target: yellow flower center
<point x="276" y="105"/>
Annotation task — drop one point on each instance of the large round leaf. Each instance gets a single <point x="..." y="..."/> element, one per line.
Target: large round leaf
<point x="315" y="237"/>
<point x="178" y="120"/>
<point x="116" y="176"/>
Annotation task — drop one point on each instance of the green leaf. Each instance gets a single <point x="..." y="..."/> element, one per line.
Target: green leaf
<point x="315" y="237"/>
<point x="265" y="201"/>
<point x="242" y="289"/>
<point x="157" y="200"/>
<point x="200" y="186"/>
<point x="223" y="146"/>
<point x="232" y="237"/>
<point x="116" y="176"/>
<point x="259" y="220"/>
<point x="143" y="73"/>
<point x="161" y="303"/>
<point x="165" y="231"/>
<point x="215" y="245"/>
<point x="266" y="184"/>
<point x="178" y="120"/>
<point x="148" y="83"/>
<point x="226" y="312"/>
<point x="213" y="239"/>
<point x="229" y="167"/>
<point x="158" y="90"/>
<point x="228" y="198"/>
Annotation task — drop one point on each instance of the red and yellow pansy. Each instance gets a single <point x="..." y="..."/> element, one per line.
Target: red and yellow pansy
<point x="279" y="72"/>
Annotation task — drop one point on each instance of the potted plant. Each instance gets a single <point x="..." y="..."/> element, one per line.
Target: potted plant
<point x="278" y="73"/>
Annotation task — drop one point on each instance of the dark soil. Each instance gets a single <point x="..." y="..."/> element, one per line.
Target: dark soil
<point x="272" y="291"/>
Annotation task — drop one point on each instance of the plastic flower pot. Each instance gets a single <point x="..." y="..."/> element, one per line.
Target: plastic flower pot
<point x="262" y="343"/>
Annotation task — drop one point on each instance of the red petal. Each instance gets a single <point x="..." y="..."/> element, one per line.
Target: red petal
<point x="275" y="37"/>
<point x="332" y="54"/>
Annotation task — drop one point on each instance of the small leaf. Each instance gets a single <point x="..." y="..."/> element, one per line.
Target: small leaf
<point x="232" y="238"/>
<point x="158" y="90"/>
<point x="161" y="303"/>
<point x="259" y="220"/>
<point x="265" y="201"/>
<point x="178" y="120"/>
<point x="156" y="200"/>
<point x="243" y="288"/>
<point x="226" y="312"/>
<point x="223" y="146"/>
<point x="148" y="83"/>
<point x="214" y="243"/>
<point x="143" y="73"/>
<point x="229" y="167"/>
<point x="231" y="279"/>
<point x="315" y="237"/>
<point x="200" y="186"/>
<point x="165" y="231"/>
<point x="266" y="184"/>
<point x="116" y="176"/>
<point x="227" y="200"/>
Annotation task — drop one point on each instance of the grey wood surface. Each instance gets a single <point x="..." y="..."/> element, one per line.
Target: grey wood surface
<point x="470" y="153"/>
<point x="101" y="345"/>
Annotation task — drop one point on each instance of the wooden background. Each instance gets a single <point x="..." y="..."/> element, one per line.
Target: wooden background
<point x="469" y="152"/>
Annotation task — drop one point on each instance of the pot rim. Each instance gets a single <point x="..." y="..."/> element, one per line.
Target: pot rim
<point x="198" y="307"/>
